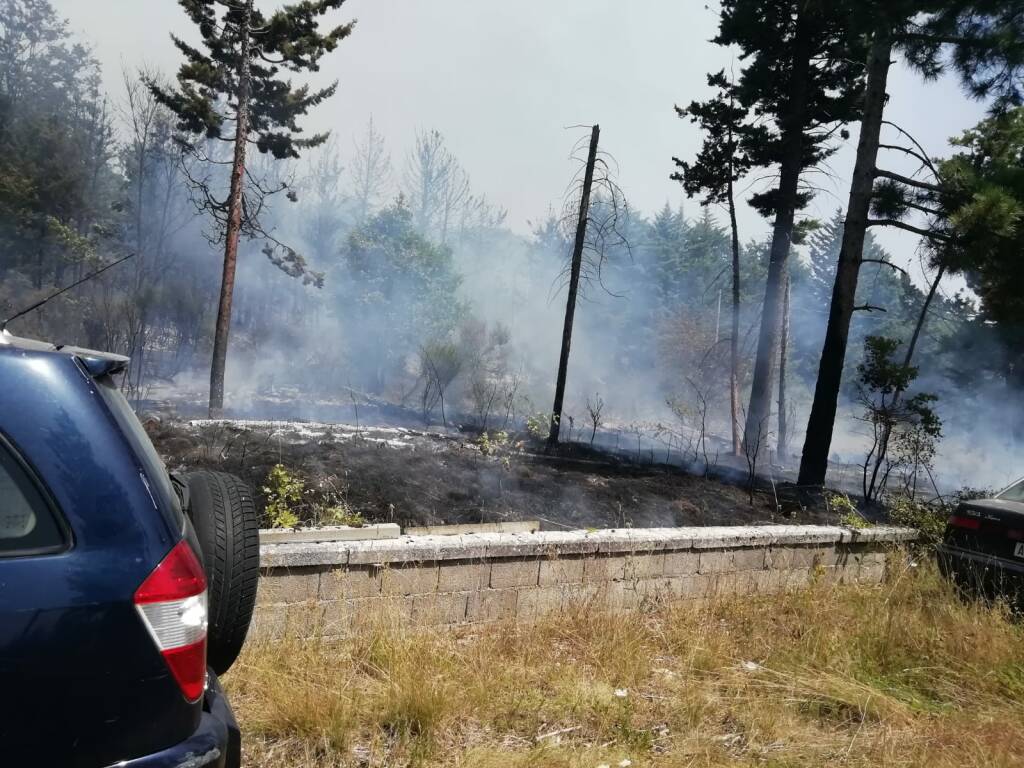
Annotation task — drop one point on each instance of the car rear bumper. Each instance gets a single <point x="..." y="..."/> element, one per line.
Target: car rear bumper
<point x="990" y="575"/>
<point x="216" y="743"/>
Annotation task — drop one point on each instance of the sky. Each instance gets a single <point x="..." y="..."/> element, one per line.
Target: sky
<point x="505" y="82"/>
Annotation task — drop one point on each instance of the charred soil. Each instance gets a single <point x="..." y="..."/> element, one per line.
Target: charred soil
<point x="414" y="477"/>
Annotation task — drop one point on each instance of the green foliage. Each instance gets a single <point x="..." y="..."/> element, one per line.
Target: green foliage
<point x="928" y="519"/>
<point x="340" y="513"/>
<point x="492" y="442"/>
<point x="396" y="291"/>
<point x="905" y="429"/>
<point x="242" y="60"/>
<point x="842" y="505"/>
<point x="538" y="425"/>
<point x="720" y="162"/>
<point x="284" y="495"/>
<point x="777" y="42"/>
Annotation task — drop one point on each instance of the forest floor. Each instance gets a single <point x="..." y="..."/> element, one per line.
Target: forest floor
<point x="900" y="674"/>
<point x="417" y="477"/>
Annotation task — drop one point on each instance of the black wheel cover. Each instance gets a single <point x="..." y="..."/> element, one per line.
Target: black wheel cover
<point x="224" y="517"/>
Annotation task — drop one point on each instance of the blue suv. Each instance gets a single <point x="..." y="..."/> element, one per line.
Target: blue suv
<point x="123" y="591"/>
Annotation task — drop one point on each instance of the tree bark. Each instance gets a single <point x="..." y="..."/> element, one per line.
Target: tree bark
<point x="574" y="283"/>
<point x="791" y="164"/>
<point x="783" y="436"/>
<point x="234" y="226"/>
<point x="820" y="424"/>
<point x="734" y="341"/>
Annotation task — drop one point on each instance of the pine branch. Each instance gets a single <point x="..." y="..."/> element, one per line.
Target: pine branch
<point x="879" y="173"/>
<point x="931" y="235"/>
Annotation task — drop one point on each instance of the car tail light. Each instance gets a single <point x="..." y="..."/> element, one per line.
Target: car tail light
<point x="959" y="521"/>
<point x="172" y="603"/>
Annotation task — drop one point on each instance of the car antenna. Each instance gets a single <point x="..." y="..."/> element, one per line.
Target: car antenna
<point x="38" y="304"/>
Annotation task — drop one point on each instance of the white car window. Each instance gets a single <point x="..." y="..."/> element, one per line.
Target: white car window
<point x="1014" y="493"/>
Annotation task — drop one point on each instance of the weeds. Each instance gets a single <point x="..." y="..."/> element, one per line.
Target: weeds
<point x="283" y="492"/>
<point x="900" y="674"/>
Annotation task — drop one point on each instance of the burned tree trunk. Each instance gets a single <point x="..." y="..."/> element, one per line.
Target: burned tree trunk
<point x="814" y="462"/>
<point x="234" y="225"/>
<point x="734" y="341"/>
<point x="783" y="436"/>
<point x="792" y="162"/>
<point x="574" y="284"/>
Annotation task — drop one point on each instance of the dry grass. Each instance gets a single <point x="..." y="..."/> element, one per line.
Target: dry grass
<point x="905" y="674"/>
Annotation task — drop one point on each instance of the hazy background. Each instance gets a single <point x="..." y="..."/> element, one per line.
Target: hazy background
<point x="502" y="81"/>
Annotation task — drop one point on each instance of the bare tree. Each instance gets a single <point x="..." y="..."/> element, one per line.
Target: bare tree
<point x="594" y="408"/>
<point x="321" y="185"/>
<point x="597" y="231"/>
<point x="371" y="171"/>
<point x="440" y="364"/>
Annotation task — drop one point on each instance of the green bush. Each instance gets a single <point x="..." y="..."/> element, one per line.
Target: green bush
<point x="928" y="519"/>
<point x="284" y="495"/>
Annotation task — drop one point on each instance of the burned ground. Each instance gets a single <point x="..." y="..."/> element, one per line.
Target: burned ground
<point x="414" y="477"/>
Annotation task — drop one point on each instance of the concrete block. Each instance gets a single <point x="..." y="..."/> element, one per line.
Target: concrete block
<point x="515" y="526"/>
<point x="604" y="568"/>
<point x="556" y="543"/>
<point x="492" y="605"/>
<point x="621" y="596"/>
<point x="715" y="561"/>
<point x="871" y="573"/>
<point x="645" y="566"/>
<point x="294" y="585"/>
<point x="660" y="590"/>
<point x="460" y="576"/>
<point x="536" y="602"/>
<point x="681" y="563"/>
<point x="412" y="579"/>
<point x="303" y="555"/>
<point x="370" y="612"/>
<point x="516" y="572"/>
<point x="749" y="559"/>
<point x="697" y="586"/>
<point x="273" y="622"/>
<point x="350" y="583"/>
<point x="503" y="545"/>
<point x="336" y="618"/>
<point x="561" y="570"/>
<point x="435" y="609"/>
<point x="330" y="533"/>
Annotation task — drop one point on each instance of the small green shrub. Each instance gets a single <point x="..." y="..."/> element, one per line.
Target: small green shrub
<point x="340" y="514"/>
<point x="284" y="493"/>
<point x="848" y="513"/>
<point x="490" y="444"/>
<point x="928" y="519"/>
<point x="538" y="424"/>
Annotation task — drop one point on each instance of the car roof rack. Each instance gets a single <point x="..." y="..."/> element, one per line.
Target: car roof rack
<point x="95" y="362"/>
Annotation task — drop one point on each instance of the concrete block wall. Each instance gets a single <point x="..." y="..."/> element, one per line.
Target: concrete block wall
<point x="330" y="588"/>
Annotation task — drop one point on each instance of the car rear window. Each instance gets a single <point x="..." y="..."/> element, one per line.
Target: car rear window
<point x="1013" y="493"/>
<point x="152" y="465"/>
<point x="28" y="524"/>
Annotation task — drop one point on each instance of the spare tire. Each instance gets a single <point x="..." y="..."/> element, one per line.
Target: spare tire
<point x="224" y="517"/>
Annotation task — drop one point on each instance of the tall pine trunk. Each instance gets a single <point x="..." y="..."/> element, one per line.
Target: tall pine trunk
<point x="734" y="341"/>
<point x="234" y="225"/>
<point x="574" y="284"/>
<point x="756" y="430"/>
<point x="783" y="436"/>
<point x="820" y="424"/>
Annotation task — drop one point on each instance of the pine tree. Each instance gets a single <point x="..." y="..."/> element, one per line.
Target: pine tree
<point x="234" y="91"/>
<point x="719" y="165"/>
<point x="985" y="40"/>
<point x="800" y="77"/>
